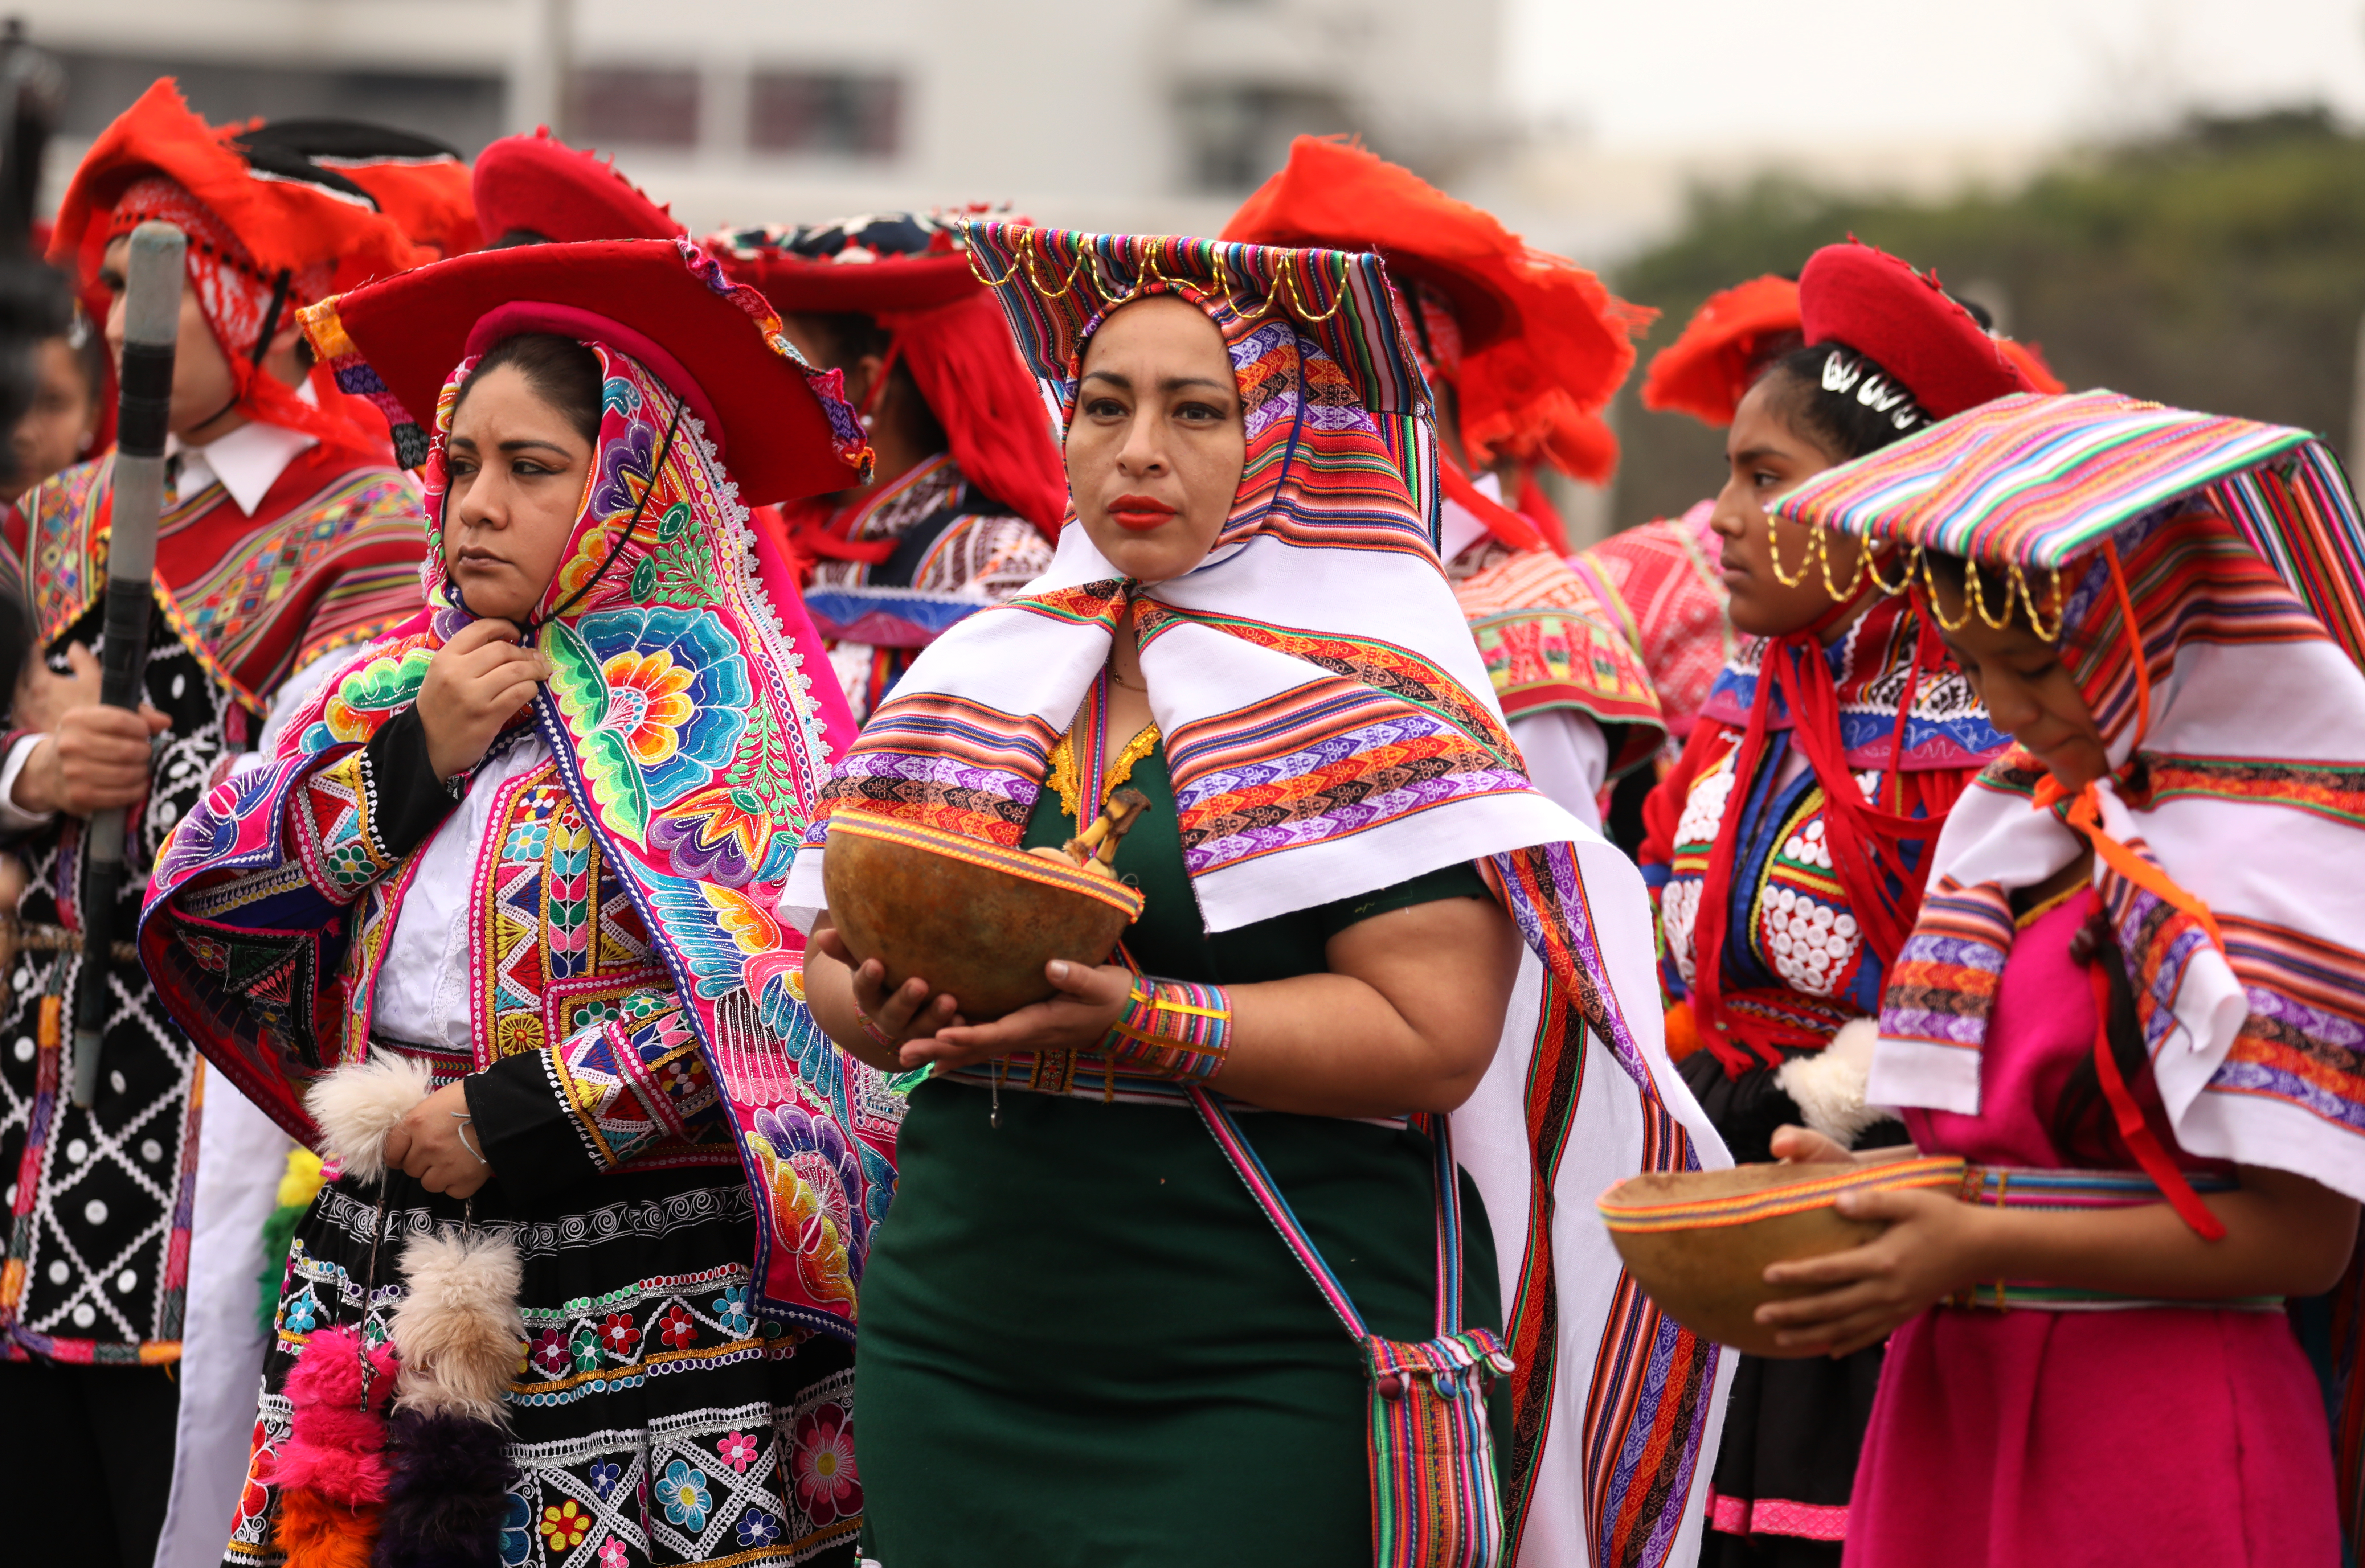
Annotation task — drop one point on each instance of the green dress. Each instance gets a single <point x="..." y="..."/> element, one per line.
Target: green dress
<point x="1083" y="1345"/>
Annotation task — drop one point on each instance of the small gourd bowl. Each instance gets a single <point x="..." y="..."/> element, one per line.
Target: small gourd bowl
<point x="1698" y="1241"/>
<point x="974" y="920"/>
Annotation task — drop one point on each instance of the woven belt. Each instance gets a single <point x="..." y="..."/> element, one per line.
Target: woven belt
<point x="2024" y="1187"/>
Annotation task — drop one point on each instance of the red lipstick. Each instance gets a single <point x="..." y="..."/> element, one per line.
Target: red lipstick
<point x="1139" y="513"/>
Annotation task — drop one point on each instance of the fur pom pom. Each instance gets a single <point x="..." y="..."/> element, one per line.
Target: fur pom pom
<point x="449" y="1493"/>
<point x="459" y="1329"/>
<point x="333" y="1445"/>
<point x="317" y="1534"/>
<point x="1829" y="1084"/>
<point x="357" y="1104"/>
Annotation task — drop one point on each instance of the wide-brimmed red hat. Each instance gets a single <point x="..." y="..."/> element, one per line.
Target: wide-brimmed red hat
<point x="777" y="424"/>
<point x="539" y="184"/>
<point x="1707" y="371"/>
<point x="286" y="221"/>
<point x="1542" y="342"/>
<point x="1877" y="305"/>
<point x="884" y="261"/>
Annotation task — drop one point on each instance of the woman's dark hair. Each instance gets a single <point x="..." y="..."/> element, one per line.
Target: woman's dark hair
<point x="1842" y="400"/>
<point x="562" y="371"/>
<point x="850" y="335"/>
<point x="2083" y="1126"/>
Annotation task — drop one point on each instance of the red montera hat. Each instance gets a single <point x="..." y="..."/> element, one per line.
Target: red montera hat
<point x="911" y="271"/>
<point x="1706" y="372"/>
<point x="417" y="181"/>
<point x="540" y="184"/>
<point x="1542" y="342"/>
<point x="778" y="425"/>
<point x="286" y="221"/>
<point x="1877" y="305"/>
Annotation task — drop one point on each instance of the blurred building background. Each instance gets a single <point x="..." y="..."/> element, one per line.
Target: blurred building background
<point x="2167" y="195"/>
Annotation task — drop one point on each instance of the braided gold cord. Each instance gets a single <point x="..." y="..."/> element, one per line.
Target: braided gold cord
<point x="1823" y="543"/>
<point x="1028" y="258"/>
<point x="1773" y="555"/>
<point x="1298" y="300"/>
<point x="2028" y="597"/>
<point x="1937" y="606"/>
<point x="1904" y="584"/>
<point x="1978" y="597"/>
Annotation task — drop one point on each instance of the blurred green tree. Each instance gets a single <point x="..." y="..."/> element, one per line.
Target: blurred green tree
<point x="2222" y="268"/>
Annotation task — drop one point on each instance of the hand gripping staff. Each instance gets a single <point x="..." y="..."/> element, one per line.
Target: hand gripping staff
<point x="151" y="324"/>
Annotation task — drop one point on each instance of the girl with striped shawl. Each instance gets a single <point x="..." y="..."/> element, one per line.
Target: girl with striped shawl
<point x="2133" y="1001"/>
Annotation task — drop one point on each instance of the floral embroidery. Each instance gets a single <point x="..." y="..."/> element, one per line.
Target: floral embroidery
<point x="300" y="1313"/>
<point x="738" y="1450"/>
<point x="647" y="702"/>
<point x="732" y="1308"/>
<point x="809" y="1173"/>
<point x="564" y="1526"/>
<point x="685" y="1496"/>
<point x="619" y="1335"/>
<point x="757" y="1528"/>
<point x="603" y="1477"/>
<point x="823" y="1464"/>
<point x="550" y="1352"/>
<point x="516" y="1531"/>
<point x="679" y="1328"/>
<point x="586" y="1345"/>
<point x="612" y="1553"/>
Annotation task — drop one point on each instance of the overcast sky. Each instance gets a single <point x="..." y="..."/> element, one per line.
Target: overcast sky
<point x="1660" y="74"/>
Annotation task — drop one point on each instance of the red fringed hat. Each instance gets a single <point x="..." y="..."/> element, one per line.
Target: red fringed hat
<point x="542" y="187"/>
<point x="417" y="181"/>
<point x="910" y="273"/>
<point x="1877" y="304"/>
<point x="287" y="220"/>
<point x="1543" y="343"/>
<point x="778" y="425"/>
<point x="1707" y="371"/>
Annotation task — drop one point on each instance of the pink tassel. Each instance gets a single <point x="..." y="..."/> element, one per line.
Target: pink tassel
<point x="335" y="1447"/>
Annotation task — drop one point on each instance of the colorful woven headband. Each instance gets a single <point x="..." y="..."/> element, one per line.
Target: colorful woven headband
<point x="1338" y="300"/>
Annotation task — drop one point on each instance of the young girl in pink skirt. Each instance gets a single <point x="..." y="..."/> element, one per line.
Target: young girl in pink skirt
<point x="2134" y="1002"/>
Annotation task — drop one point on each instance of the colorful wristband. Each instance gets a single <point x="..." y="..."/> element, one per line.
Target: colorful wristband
<point x="1171" y="1029"/>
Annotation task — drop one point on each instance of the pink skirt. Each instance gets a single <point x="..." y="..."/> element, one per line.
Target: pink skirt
<point x="2149" y="1437"/>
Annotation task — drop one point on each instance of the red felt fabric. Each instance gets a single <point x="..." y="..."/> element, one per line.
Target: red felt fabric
<point x="1544" y="344"/>
<point x="562" y="193"/>
<point x="1705" y="372"/>
<point x="1877" y="305"/>
<point x="769" y="429"/>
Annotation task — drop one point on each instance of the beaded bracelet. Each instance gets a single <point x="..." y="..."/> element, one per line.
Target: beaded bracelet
<point x="1171" y="1029"/>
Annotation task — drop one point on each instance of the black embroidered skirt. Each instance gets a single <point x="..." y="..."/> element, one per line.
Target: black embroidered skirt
<point x="655" y="1419"/>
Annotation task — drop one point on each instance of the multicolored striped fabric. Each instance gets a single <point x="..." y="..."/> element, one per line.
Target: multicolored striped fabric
<point x="1331" y="730"/>
<point x="1436" y="1502"/>
<point x="2037" y="482"/>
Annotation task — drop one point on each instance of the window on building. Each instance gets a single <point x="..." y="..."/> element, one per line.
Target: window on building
<point x="1234" y="134"/>
<point x="629" y="105"/>
<point x="826" y="112"/>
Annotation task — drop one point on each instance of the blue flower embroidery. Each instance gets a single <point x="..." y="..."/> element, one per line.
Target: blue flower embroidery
<point x="516" y="1531"/>
<point x="300" y="1314"/>
<point x="732" y="1308"/>
<point x="757" y="1528"/>
<point x="603" y="1477"/>
<point x="685" y="1496"/>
